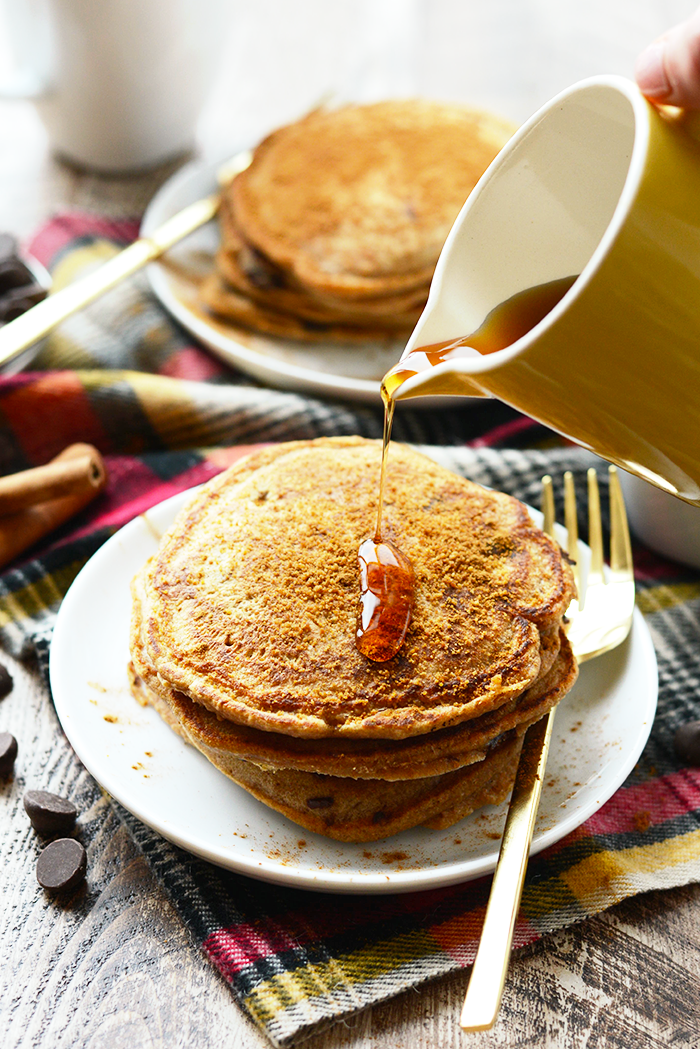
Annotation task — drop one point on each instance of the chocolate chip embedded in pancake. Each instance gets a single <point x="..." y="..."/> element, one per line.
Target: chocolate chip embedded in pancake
<point x="248" y="608"/>
<point x="395" y="312"/>
<point x="358" y="201"/>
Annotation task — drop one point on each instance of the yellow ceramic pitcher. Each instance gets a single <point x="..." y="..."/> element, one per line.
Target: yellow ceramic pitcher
<point x="600" y="184"/>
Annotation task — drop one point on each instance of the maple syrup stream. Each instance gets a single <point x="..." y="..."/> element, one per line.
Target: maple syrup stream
<point x="387" y="579"/>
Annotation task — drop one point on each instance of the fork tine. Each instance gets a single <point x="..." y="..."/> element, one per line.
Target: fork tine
<point x="571" y="523"/>
<point x="548" y="505"/>
<point x="595" y="530"/>
<point x="620" y="545"/>
<point x="608" y="599"/>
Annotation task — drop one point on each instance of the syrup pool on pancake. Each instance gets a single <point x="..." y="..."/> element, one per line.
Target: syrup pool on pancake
<point x="387" y="579"/>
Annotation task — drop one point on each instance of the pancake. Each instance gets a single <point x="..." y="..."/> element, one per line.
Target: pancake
<point x="362" y="810"/>
<point x="346" y="253"/>
<point x="242" y="638"/>
<point x="396" y="312"/>
<point x="247" y="269"/>
<point x="430" y="754"/>
<point x="358" y="201"/>
<point x="248" y="608"/>
<point x="225" y="301"/>
<point x="356" y="810"/>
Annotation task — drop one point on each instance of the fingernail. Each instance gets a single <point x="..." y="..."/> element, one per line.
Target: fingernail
<point x="650" y="72"/>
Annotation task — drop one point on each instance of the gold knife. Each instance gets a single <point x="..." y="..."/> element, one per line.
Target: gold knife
<point x="18" y="335"/>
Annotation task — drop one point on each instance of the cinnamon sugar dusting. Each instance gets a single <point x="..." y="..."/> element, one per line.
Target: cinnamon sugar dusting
<point x="242" y="638"/>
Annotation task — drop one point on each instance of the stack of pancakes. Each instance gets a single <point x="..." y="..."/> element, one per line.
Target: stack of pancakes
<point x="334" y="229"/>
<point x="243" y="635"/>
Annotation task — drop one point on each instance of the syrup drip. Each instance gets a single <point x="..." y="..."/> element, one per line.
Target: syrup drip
<point x="387" y="579"/>
<point x="387" y="585"/>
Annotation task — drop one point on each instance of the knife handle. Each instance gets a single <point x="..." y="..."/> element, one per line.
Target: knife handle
<point x="18" y="335"/>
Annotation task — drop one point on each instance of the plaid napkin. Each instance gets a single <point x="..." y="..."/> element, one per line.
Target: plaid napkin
<point x="167" y="416"/>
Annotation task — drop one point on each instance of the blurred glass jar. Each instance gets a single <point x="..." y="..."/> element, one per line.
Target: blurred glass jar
<point x="119" y="84"/>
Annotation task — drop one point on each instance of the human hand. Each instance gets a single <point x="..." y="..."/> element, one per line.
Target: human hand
<point x="668" y="70"/>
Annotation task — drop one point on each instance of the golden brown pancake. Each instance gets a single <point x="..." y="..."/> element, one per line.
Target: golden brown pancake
<point x="333" y="231"/>
<point x="240" y="309"/>
<point x="249" y="606"/>
<point x="242" y="638"/>
<point x="246" y="268"/>
<point x="430" y="754"/>
<point x="394" y="312"/>
<point x="358" y="201"/>
<point x="355" y="810"/>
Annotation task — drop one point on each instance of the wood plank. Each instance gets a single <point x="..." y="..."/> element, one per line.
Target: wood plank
<point x="116" y="968"/>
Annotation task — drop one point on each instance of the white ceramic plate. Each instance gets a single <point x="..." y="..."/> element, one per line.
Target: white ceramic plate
<point x="599" y="732"/>
<point x="350" y="371"/>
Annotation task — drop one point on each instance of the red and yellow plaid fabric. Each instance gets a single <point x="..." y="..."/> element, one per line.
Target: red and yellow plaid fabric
<point x="167" y="416"/>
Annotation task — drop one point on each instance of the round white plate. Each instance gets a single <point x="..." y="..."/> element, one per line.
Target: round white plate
<point x="348" y="371"/>
<point x="599" y="732"/>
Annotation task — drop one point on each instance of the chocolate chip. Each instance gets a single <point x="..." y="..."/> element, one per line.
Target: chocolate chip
<point x="49" y="813"/>
<point x="257" y="269"/>
<point x="6" y="681"/>
<point x="19" y="289"/>
<point x="686" y="743"/>
<point x="13" y="274"/>
<point x="319" y="803"/>
<point x="8" y="753"/>
<point x="61" y="865"/>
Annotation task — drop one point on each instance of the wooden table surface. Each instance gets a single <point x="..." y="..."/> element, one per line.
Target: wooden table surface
<point x="118" y="969"/>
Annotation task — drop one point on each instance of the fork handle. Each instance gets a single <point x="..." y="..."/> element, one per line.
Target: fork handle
<point x="485" y="990"/>
<point x="18" y="335"/>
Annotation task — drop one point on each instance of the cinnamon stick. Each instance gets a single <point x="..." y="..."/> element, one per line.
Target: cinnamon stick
<point x="81" y="471"/>
<point x="20" y="530"/>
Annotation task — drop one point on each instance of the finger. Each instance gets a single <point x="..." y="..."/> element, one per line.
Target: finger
<point x="668" y="71"/>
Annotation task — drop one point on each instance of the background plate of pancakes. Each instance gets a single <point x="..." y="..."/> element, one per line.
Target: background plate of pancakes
<point x="325" y="369"/>
<point x="600" y="730"/>
<point x="319" y="263"/>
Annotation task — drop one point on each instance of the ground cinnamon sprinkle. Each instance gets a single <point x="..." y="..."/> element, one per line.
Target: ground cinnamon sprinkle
<point x="642" y="821"/>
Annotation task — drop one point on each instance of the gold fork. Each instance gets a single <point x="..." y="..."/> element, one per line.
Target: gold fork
<point x="600" y="620"/>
